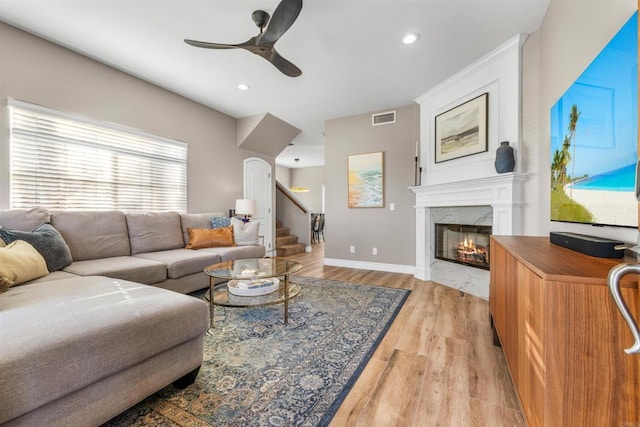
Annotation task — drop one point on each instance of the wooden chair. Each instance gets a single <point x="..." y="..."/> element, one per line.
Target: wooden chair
<point x="314" y="219"/>
<point x="318" y="229"/>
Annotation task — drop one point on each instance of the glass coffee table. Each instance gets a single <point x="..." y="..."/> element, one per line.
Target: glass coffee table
<point x="251" y="270"/>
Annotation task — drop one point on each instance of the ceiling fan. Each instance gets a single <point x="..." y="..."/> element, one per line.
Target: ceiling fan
<point x="263" y="44"/>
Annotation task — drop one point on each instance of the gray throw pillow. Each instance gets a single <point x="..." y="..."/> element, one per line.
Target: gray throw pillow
<point x="47" y="240"/>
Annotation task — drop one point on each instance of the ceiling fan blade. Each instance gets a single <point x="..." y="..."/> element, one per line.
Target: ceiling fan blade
<point x="208" y="45"/>
<point x="283" y="17"/>
<point x="283" y="65"/>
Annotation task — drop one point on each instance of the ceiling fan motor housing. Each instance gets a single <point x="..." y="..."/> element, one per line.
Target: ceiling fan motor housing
<point x="261" y="18"/>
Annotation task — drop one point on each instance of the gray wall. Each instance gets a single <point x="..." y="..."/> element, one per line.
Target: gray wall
<point x="571" y="36"/>
<point x="313" y="179"/>
<point x="40" y="72"/>
<point x="283" y="175"/>
<point x="391" y="232"/>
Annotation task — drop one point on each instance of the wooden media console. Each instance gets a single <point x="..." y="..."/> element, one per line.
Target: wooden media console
<point x="562" y="334"/>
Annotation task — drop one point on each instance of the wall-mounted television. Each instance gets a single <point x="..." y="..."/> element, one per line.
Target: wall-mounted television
<point x="594" y="138"/>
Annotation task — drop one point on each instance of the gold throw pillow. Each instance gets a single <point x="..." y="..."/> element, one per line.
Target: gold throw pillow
<point x="200" y="238"/>
<point x="21" y="262"/>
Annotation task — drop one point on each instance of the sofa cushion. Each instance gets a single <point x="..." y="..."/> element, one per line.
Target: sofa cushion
<point x="47" y="240"/>
<point x="56" y="275"/>
<point x="197" y="220"/>
<point x="154" y="231"/>
<point x="125" y="267"/>
<point x="93" y="234"/>
<point x="21" y="262"/>
<point x="245" y="233"/>
<point x="99" y="327"/>
<point x="24" y="219"/>
<point x="182" y="262"/>
<point x="237" y="252"/>
<point x="186" y="284"/>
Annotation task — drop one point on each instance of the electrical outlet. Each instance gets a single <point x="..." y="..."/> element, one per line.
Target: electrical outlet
<point x="392" y="206"/>
<point x="352" y="249"/>
<point x="374" y="251"/>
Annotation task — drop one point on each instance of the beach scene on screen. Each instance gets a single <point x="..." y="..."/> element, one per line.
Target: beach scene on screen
<point x="594" y="138"/>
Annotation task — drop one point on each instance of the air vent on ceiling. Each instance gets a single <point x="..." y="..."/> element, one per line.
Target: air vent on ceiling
<point x="385" y="118"/>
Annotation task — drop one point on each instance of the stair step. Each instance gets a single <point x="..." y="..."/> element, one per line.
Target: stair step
<point x="293" y="249"/>
<point x="286" y="240"/>
<point x="278" y="223"/>
<point x="282" y="231"/>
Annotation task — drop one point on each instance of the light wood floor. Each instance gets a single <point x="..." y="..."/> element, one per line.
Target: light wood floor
<point x="436" y="366"/>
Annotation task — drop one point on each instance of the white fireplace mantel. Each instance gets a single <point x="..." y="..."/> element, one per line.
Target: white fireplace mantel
<point x="502" y="192"/>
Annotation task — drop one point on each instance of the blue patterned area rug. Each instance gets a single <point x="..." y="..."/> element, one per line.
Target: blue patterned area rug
<point x="257" y="371"/>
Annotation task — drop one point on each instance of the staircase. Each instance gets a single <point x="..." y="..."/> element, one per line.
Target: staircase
<point x="286" y="244"/>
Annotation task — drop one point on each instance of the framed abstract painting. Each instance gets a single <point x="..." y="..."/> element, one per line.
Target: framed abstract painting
<point x="462" y="130"/>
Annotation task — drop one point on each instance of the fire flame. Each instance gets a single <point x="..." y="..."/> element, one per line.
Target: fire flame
<point x="468" y="252"/>
<point x="468" y="244"/>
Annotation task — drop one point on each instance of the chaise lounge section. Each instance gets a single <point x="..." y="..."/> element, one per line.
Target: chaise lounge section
<point x="79" y="351"/>
<point x="84" y="343"/>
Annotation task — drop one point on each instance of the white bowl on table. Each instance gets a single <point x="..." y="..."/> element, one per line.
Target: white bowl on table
<point x="251" y="288"/>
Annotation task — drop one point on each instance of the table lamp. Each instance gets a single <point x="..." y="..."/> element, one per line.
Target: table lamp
<point x="245" y="208"/>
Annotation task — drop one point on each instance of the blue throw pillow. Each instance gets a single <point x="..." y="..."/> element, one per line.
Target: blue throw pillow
<point x="47" y="240"/>
<point x="220" y="221"/>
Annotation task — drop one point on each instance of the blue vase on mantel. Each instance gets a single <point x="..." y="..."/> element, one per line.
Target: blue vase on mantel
<point x="505" y="158"/>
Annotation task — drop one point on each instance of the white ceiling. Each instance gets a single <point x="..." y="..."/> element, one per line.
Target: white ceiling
<point x="350" y="51"/>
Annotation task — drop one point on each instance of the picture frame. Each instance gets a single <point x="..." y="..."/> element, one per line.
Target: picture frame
<point x="365" y="175"/>
<point x="462" y="130"/>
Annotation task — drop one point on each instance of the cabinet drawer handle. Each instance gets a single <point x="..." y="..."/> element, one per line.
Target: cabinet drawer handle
<point x="615" y="275"/>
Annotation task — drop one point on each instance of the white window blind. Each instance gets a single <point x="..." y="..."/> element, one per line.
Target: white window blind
<point x="61" y="162"/>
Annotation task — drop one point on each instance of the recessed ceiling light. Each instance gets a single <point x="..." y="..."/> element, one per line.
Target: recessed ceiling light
<point x="410" y="38"/>
<point x="243" y="86"/>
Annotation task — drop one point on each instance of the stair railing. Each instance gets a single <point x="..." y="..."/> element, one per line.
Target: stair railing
<point x="292" y="197"/>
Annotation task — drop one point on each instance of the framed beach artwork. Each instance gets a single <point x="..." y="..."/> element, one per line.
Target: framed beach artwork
<point x="462" y="130"/>
<point x="366" y="180"/>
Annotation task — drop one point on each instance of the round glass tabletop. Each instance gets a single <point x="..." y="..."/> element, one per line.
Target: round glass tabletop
<point x="252" y="269"/>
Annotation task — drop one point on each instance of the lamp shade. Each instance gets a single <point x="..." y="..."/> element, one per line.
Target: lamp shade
<point x="245" y="207"/>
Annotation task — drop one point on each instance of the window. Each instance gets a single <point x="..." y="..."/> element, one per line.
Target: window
<point x="63" y="162"/>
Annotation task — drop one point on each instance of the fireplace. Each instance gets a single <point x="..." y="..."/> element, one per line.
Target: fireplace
<point x="463" y="244"/>
<point x="439" y="203"/>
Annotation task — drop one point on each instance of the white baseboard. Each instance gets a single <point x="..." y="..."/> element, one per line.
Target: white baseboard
<point x="376" y="266"/>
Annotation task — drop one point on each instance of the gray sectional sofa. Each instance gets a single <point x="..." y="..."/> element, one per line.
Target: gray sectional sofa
<point x="82" y="344"/>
